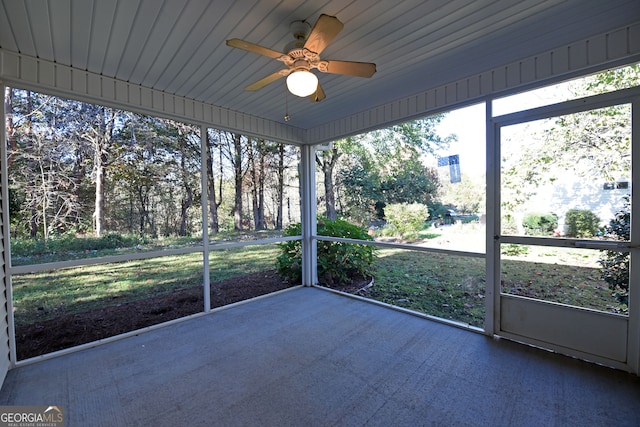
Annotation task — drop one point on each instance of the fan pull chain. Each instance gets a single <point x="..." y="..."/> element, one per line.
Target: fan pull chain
<point x="286" y="106"/>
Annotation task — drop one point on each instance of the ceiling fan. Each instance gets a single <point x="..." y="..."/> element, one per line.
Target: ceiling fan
<point x="302" y="55"/>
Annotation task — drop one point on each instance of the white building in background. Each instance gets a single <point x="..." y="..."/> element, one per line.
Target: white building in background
<point x="603" y="198"/>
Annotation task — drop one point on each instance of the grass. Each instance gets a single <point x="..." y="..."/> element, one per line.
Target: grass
<point x="452" y="287"/>
<point x="562" y="275"/>
<point x="64" y="248"/>
<point x="45" y="295"/>
<point x="446" y="286"/>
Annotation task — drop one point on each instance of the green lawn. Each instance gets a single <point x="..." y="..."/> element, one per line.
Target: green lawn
<point x="74" y="290"/>
<point x="452" y="287"/>
<point x="446" y="286"/>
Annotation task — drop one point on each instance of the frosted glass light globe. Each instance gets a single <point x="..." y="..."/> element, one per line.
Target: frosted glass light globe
<point x="302" y="83"/>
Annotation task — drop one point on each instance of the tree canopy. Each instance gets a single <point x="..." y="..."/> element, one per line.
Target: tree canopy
<point x="81" y="168"/>
<point x="594" y="144"/>
<point x="382" y="167"/>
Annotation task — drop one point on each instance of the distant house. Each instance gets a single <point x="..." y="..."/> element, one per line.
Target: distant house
<point x="603" y="198"/>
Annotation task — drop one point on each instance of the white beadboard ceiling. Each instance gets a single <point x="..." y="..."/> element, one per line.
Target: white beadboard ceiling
<point x="178" y="46"/>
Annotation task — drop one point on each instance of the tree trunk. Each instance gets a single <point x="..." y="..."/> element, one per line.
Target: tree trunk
<point x="280" y="189"/>
<point x="143" y="210"/>
<point x="33" y="222"/>
<point x="211" y="189"/>
<point x="101" y="153"/>
<point x="329" y="200"/>
<point x="78" y="177"/>
<point x="12" y="142"/>
<point x="257" y="167"/>
<point x="99" y="198"/>
<point x="254" y="185"/>
<point x="327" y="164"/>
<point x="261" y="176"/>
<point x="237" y="167"/>
<point x="187" y="202"/>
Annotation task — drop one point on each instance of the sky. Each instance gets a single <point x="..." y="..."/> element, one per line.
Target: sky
<point x="469" y="124"/>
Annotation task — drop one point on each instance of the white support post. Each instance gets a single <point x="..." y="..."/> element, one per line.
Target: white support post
<point x="308" y="219"/>
<point x="633" y="337"/>
<point x="492" y="266"/>
<point x="204" y="201"/>
<point x="6" y="246"/>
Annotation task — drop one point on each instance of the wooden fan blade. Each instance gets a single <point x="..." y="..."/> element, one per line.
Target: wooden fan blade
<point x="266" y="80"/>
<point x="252" y="47"/>
<point x="319" y="95"/>
<point x="349" y="68"/>
<point x="326" y="28"/>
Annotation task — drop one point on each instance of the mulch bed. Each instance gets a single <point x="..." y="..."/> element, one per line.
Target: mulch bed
<point x="70" y="330"/>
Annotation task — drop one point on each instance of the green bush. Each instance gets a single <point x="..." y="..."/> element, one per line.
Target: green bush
<point x="537" y="223"/>
<point x="615" y="264"/>
<point x="338" y="262"/>
<point x="406" y="218"/>
<point x="511" y="249"/>
<point x="581" y="223"/>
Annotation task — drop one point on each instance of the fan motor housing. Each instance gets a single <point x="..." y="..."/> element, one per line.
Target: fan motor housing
<point x="301" y="64"/>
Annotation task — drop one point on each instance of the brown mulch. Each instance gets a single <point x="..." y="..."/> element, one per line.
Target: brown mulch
<point x="69" y="330"/>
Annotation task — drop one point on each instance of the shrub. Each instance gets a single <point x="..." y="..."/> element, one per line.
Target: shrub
<point x="338" y="262"/>
<point x="581" y="223"/>
<point x="511" y="249"/>
<point x="509" y="224"/>
<point x="407" y="218"/>
<point x="536" y="223"/>
<point x="615" y="264"/>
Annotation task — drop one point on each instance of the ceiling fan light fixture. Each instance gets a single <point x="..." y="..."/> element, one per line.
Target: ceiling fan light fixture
<point x="302" y="83"/>
<point x="302" y="55"/>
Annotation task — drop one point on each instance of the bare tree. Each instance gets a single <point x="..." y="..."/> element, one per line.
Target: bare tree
<point x="99" y="133"/>
<point x="9" y="126"/>
<point x="234" y="153"/>
<point x="257" y="170"/>
<point x="184" y="133"/>
<point x="215" y="200"/>
<point x="280" y="187"/>
<point x="327" y="162"/>
<point x="44" y="163"/>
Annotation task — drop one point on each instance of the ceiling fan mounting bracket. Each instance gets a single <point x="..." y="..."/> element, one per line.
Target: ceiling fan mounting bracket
<point x="300" y="29"/>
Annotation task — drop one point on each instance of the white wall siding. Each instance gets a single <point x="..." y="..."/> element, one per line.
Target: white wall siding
<point x="598" y="52"/>
<point x="5" y="292"/>
<point x="33" y="73"/>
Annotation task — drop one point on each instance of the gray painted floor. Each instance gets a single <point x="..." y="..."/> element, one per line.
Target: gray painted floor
<point x="311" y="357"/>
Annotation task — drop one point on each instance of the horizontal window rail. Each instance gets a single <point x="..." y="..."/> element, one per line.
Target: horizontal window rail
<point x="559" y="242"/>
<point x="593" y="102"/>
<point x="401" y="246"/>
<point x="34" y="268"/>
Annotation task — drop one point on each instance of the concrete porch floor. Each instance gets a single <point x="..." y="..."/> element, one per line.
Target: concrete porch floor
<point x="312" y="357"/>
